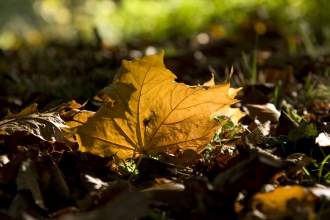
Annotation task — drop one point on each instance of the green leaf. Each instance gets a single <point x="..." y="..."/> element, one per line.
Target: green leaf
<point x="229" y="124"/>
<point x="304" y="129"/>
<point x="308" y="129"/>
<point x="295" y="134"/>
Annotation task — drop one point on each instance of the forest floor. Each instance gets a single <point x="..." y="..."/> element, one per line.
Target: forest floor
<point x="272" y="164"/>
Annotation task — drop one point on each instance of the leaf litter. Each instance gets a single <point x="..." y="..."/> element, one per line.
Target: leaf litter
<point x="182" y="148"/>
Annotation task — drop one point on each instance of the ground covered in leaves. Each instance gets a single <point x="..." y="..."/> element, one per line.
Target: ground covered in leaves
<point x="150" y="156"/>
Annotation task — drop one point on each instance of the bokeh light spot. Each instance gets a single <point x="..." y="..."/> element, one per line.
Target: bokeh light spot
<point x="8" y="40"/>
<point x="150" y="50"/>
<point x="203" y="38"/>
<point x="135" y="54"/>
<point x="63" y="16"/>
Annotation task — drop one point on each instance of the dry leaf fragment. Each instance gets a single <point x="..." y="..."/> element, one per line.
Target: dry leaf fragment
<point x="146" y="112"/>
<point x="258" y="134"/>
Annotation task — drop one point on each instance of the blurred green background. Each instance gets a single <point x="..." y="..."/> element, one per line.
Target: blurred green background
<point x="36" y="22"/>
<point x="52" y="51"/>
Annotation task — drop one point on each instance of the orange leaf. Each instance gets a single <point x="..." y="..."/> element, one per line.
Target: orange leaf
<point x="146" y="112"/>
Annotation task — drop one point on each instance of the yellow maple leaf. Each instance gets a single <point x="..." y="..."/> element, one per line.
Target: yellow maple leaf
<point x="146" y="112"/>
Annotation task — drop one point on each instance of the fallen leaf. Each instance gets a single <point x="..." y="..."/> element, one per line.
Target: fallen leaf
<point x="300" y="160"/>
<point x="258" y="134"/>
<point x="321" y="192"/>
<point x="278" y="203"/>
<point x="27" y="179"/>
<point x="295" y="174"/>
<point x="323" y="139"/>
<point x="46" y="126"/>
<point x="27" y="111"/>
<point x="304" y="129"/>
<point x="264" y="113"/>
<point x="53" y="183"/>
<point x="72" y="115"/>
<point x="146" y="112"/>
<point x="65" y="107"/>
<point x="249" y="175"/>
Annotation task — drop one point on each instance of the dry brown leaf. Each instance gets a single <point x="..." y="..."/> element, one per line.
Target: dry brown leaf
<point x="46" y="126"/>
<point x="263" y="113"/>
<point x="146" y="112"/>
<point x="258" y="134"/>
<point x="27" y="179"/>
